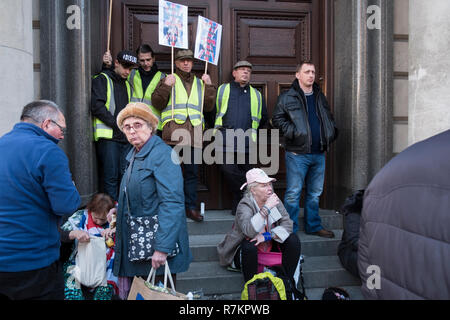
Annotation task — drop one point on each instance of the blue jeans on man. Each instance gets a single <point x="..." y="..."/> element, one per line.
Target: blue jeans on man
<point x="304" y="170"/>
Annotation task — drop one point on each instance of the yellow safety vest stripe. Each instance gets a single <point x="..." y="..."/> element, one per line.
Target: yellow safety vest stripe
<point x="184" y="106"/>
<point x="101" y="130"/>
<point x="138" y="94"/>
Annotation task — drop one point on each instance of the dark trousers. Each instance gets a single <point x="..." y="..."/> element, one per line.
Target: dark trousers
<point x="41" y="284"/>
<point x="234" y="175"/>
<point x="112" y="162"/>
<point x="190" y="165"/>
<point x="290" y="249"/>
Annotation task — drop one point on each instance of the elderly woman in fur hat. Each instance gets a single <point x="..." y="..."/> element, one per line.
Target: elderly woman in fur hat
<point x="151" y="192"/>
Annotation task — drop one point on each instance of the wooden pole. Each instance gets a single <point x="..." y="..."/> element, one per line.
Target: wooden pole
<point x="173" y="88"/>
<point x="109" y="24"/>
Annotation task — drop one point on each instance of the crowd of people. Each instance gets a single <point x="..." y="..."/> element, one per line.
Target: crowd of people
<point x="146" y="196"/>
<point x="137" y="111"/>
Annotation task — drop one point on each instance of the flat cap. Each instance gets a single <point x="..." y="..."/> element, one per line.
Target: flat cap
<point x="184" y="54"/>
<point x="242" y="63"/>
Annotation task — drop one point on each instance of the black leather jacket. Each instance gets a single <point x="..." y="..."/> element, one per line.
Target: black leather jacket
<point x="291" y="118"/>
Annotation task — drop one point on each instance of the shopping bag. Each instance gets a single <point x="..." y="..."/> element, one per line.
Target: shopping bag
<point x="90" y="263"/>
<point x="146" y="290"/>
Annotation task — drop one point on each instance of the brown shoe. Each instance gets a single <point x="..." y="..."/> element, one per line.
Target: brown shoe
<point x="324" y="233"/>
<point x="194" y="215"/>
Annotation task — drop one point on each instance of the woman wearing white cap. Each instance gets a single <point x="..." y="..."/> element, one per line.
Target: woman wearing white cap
<point x="262" y="224"/>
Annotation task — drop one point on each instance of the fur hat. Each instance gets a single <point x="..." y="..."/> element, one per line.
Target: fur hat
<point x="138" y="110"/>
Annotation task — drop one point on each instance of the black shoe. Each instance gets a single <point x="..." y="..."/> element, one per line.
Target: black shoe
<point x="194" y="215"/>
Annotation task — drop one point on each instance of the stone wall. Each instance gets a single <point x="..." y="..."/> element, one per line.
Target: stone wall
<point x="16" y="60"/>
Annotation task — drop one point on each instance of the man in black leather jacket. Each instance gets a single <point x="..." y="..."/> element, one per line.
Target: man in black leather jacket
<point x="304" y="118"/>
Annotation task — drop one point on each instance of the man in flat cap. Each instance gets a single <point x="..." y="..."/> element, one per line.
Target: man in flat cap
<point x="111" y="92"/>
<point x="242" y="109"/>
<point x="184" y="114"/>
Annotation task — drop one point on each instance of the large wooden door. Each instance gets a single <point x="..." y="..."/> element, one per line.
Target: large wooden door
<point x="274" y="35"/>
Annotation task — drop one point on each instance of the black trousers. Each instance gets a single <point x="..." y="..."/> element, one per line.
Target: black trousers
<point x="112" y="162"/>
<point x="290" y="250"/>
<point x="41" y="284"/>
<point x="234" y="175"/>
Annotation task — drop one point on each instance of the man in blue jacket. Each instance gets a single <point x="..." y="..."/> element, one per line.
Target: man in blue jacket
<point x="37" y="189"/>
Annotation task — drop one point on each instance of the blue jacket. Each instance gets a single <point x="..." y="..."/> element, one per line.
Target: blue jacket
<point x="155" y="187"/>
<point x="36" y="190"/>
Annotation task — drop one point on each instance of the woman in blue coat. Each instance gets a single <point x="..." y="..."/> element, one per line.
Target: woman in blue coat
<point x="152" y="185"/>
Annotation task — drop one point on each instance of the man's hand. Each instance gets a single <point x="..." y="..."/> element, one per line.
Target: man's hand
<point x="107" y="59"/>
<point x="206" y="79"/>
<point x="169" y="80"/>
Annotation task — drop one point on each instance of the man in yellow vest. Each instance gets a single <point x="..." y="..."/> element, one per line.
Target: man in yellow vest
<point x="145" y="79"/>
<point x="239" y="106"/>
<point x="111" y="92"/>
<point x="185" y="116"/>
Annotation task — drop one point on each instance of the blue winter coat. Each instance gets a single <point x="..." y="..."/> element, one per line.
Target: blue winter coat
<point x="36" y="190"/>
<point x="155" y="187"/>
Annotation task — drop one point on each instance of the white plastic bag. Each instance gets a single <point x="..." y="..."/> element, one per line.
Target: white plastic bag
<point x="90" y="263"/>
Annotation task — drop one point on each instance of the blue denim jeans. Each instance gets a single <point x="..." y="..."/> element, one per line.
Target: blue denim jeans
<point x="308" y="170"/>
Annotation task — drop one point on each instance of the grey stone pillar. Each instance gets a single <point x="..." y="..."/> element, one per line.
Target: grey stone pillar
<point x="363" y="91"/>
<point x="16" y="60"/>
<point x="429" y="65"/>
<point x="67" y="33"/>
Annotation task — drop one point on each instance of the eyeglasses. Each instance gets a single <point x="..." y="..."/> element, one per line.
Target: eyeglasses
<point x="63" y="130"/>
<point x="136" y="126"/>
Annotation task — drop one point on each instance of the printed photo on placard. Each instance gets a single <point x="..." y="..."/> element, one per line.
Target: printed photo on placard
<point x="173" y="23"/>
<point x="207" y="43"/>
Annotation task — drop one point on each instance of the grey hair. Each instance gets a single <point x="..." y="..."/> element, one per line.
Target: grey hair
<point x="249" y="187"/>
<point x="39" y="111"/>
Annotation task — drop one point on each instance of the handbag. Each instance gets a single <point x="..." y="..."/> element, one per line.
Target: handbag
<point x="146" y="290"/>
<point x="267" y="258"/>
<point x="142" y="230"/>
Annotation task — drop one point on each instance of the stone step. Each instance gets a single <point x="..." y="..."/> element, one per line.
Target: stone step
<point x="312" y="294"/>
<point x="213" y="279"/>
<point x="204" y="247"/>
<point x="221" y="221"/>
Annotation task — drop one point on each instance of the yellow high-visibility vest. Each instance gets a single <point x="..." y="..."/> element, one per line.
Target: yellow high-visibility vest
<point x="222" y="105"/>
<point x="101" y="130"/>
<point x="146" y="97"/>
<point x="185" y="106"/>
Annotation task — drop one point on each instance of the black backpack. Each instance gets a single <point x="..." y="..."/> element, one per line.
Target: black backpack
<point x="292" y="293"/>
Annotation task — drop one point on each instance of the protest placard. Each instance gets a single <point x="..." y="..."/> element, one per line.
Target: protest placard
<point x="209" y="37"/>
<point x="173" y="24"/>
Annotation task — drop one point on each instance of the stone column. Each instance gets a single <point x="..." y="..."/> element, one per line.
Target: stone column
<point x="363" y="91"/>
<point x="16" y="60"/>
<point x="429" y="66"/>
<point x="69" y="31"/>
